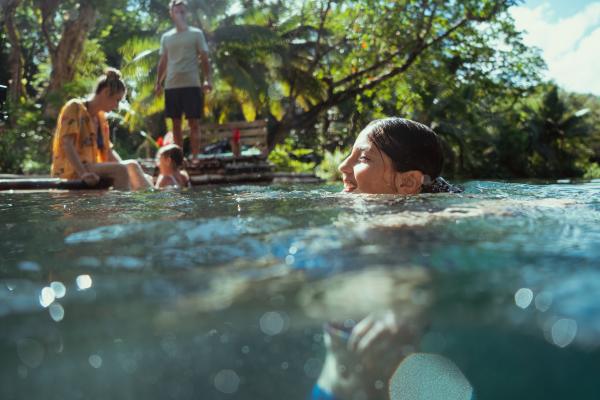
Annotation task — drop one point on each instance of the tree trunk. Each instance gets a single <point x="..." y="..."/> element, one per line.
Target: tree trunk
<point x="15" y="60"/>
<point x="65" y="55"/>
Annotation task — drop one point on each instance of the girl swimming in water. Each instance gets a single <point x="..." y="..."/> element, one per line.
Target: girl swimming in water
<point x="395" y="156"/>
<point x="170" y="162"/>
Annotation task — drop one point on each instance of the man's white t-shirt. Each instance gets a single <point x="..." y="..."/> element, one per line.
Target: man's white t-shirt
<point x="182" y="50"/>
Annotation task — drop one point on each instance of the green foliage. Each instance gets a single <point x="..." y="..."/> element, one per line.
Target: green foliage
<point x="25" y="145"/>
<point x="558" y="138"/>
<point x="287" y="158"/>
<point x="320" y="71"/>
<point x="328" y="168"/>
<point x="592" y="171"/>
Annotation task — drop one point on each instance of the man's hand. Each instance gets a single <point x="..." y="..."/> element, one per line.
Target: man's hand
<point x="206" y="87"/>
<point x="90" y="178"/>
<point x="158" y="88"/>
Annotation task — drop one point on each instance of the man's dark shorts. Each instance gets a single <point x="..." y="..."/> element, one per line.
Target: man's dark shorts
<point x="187" y="100"/>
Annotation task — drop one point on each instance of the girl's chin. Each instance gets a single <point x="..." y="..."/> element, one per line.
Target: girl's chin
<point x="350" y="189"/>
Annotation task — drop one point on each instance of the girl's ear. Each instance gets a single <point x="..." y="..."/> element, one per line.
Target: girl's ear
<point x="409" y="182"/>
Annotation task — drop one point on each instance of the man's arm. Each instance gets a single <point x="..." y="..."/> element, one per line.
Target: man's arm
<point x="162" y="71"/>
<point x="205" y="64"/>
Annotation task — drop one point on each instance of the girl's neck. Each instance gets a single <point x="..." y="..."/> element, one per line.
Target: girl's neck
<point x="168" y="171"/>
<point x="93" y="106"/>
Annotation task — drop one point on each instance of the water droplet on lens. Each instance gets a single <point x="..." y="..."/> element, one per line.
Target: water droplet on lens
<point x="523" y="297"/>
<point x="272" y="323"/>
<point x="57" y="312"/>
<point x="83" y="282"/>
<point x="563" y="332"/>
<point x="59" y="289"/>
<point x="227" y="381"/>
<point x="95" y="361"/>
<point x="46" y="296"/>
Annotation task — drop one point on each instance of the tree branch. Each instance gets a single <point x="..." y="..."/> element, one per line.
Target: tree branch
<point x="15" y="59"/>
<point x="319" y="36"/>
<point x="48" y="10"/>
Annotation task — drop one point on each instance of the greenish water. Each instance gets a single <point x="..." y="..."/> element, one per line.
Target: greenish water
<point x="221" y="293"/>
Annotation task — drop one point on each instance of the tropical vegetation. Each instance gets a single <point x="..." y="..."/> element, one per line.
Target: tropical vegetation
<point x="317" y="70"/>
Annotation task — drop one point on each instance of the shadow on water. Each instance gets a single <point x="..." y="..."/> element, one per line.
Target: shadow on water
<point x="224" y="293"/>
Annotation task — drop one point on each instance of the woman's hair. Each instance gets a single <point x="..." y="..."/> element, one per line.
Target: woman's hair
<point x="111" y="80"/>
<point x="174" y="152"/>
<point x="411" y="146"/>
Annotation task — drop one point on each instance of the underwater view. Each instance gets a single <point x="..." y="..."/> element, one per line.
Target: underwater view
<point x="292" y="291"/>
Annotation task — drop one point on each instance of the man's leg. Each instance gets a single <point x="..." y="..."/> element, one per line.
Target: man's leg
<point x="193" y="105"/>
<point x="177" y="136"/>
<point x="194" y="136"/>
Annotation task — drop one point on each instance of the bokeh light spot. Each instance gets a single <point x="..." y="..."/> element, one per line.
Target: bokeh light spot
<point x="523" y="297"/>
<point x="227" y="381"/>
<point x="57" y="312"/>
<point x="272" y="323"/>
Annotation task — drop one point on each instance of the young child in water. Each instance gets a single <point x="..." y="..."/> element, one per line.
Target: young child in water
<point x="170" y="163"/>
<point x="395" y="156"/>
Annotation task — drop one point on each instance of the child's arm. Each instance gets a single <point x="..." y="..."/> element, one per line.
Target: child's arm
<point x="186" y="178"/>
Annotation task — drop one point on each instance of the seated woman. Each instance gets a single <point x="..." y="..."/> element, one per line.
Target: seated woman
<point x="81" y="148"/>
<point x="170" y="162"/>
<point x="395" y="156"/>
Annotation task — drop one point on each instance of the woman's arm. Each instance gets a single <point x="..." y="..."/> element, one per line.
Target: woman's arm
<point x="68" y="143"/>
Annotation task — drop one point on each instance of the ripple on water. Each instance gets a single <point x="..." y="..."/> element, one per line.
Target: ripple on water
<point x="217" y="229"/>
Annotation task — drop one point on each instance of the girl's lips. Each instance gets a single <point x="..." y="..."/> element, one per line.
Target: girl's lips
<point x="349" y="186"/>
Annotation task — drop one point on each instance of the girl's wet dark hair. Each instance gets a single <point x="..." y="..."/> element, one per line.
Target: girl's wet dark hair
<point x="111" y="80"/>
<point x="411" y="146"/>
<point x="173" y="152"/>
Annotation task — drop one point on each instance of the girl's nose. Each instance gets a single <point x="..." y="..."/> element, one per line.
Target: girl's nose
<point x="344" y="166"/>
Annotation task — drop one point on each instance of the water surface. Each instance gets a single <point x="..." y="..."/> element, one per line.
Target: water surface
<point x="222" y="292"/>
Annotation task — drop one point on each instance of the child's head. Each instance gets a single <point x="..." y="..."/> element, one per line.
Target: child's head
<point x="169" y="158"/>
<point x="392" y="155"/>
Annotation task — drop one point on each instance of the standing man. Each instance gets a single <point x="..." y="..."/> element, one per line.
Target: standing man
<point x="181" y="50"/>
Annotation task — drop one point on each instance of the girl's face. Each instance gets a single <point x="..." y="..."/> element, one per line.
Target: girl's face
<point x="367" y="169"/>
<point x="110" y="102"/>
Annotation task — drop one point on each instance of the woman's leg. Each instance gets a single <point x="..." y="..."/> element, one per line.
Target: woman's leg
<point x="138" y="179"/>
<point x="116" y="171"/>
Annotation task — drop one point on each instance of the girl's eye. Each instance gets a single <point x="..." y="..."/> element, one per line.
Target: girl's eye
<point x="363" y="158"/>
